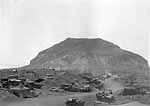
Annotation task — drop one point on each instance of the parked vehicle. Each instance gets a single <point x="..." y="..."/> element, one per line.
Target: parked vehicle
<point x="56" y="89"/>
<point x="86" y="88"/>
<point x="134" y="91"/>
<point x="76" y="88"/>
<point x="74" y="102"/>
<point x="33" y="85"/>
<point x="105" y="96"/>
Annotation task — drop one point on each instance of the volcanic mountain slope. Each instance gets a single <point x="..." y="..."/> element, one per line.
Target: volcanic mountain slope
<point x="89" y="55"/>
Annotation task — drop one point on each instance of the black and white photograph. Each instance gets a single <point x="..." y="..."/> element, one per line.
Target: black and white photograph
<point x="74" y="52"/>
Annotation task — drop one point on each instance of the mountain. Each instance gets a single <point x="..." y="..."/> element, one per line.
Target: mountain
<point x="89" y="55"/>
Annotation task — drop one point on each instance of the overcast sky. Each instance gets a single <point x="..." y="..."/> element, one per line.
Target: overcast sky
<point x="29" y="26"/>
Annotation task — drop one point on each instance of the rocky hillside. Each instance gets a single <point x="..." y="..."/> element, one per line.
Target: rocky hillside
<point x="89" y="55"/>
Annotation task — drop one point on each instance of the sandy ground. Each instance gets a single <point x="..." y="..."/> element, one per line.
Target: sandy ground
<point x="53" y="100"/>
<point x="50" y="100"/>
<point x="131" y="104"/>
<point x="59" y="101"/>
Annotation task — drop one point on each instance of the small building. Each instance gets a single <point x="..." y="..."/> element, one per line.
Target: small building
<point x="21" y="91"/>
<point x="47" y="78"/>
<point x="85" y="82"/>
<point x="13" y="77"/>
<point x="31" y="75"/>
<point x="4" y="82"/>
<point x="14" y="82"/>
<point x="33" y="84"/>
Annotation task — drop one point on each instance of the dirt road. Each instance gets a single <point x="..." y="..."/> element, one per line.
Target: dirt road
<point x="59" y="101"/>
<point x="131" y="104"/>
<point x="51" y="100"/>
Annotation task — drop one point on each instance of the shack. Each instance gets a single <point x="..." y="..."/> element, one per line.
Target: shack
<point x="13" y="77"/>
<point x="31" y="75"/>
<point x="4" y="82"/>
<point x="21" y="91"/>
<point x="14" y="82"/>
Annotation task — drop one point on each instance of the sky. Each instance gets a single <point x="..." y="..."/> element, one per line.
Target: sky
<point x="30" y="26"/>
